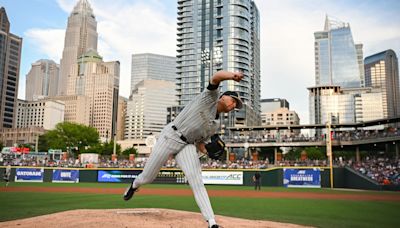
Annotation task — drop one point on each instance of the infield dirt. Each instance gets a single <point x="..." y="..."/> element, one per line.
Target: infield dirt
<point x="143" y="218"/>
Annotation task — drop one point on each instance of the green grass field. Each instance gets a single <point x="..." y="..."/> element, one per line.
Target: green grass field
<point x="319" y="213"/>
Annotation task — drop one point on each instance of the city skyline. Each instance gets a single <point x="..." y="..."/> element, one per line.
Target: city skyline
<point x="287" y="30"/>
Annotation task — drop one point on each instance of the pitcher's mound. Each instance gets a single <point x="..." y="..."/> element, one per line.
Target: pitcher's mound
<point x="140" y="217"/>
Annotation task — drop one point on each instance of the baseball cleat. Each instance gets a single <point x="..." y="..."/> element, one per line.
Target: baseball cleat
<point x="215" y="226"/>
<point x="129" y="192"/>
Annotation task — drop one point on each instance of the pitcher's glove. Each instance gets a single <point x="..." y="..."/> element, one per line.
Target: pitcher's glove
<point x="215" y="149"/>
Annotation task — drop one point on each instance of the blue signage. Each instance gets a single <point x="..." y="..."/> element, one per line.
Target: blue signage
<point x="65" y="176"/>
<point x="302" y="178"/>
<point x="117" y="175"/>
<point x="29" y="175"/>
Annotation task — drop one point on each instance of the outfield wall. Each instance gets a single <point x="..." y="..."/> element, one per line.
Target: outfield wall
<point x="274" y="177"/>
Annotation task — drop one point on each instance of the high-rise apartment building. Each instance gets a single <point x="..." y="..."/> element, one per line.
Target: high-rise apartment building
<point x="42" y="80"/>
<point x="382" y="71"/>
<point x="152" y="66"/>
<point x="147" y="108"/>
<point x="338" y="61"/>
<point x="10" y="59"/>
<point x="99" y="82"/>
<point x="80" y="36"/>
<point x="43" y="113"/>
<point x="216" y="35"/>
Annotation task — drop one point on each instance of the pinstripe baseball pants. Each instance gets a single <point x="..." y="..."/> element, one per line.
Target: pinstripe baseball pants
<point x="186" y="156"/>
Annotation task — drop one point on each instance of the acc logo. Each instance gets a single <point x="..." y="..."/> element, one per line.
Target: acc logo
<point x="234" y="177"/>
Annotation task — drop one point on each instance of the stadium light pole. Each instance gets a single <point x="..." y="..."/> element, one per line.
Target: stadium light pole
<point x="329" y="149"/>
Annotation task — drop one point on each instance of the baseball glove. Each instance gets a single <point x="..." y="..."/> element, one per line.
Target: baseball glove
<point x="215" y="148"/>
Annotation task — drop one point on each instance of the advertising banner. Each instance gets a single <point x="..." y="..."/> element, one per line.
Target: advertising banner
<point x="127" y="176"/>
<point x="65" y="176"/>
<point x="123" y="176"/>
<point x="302" y="178"/>
<point x="29" y="175"/>
<point x="215" y="177"/>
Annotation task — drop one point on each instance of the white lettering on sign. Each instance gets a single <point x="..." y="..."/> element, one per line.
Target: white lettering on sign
<point x="301" y="177"/>
<point x="66" y="174"/>
<point x="29" y="173"/>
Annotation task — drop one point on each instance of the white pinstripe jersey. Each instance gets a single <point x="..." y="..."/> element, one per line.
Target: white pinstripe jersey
<point x="197" y="120"/>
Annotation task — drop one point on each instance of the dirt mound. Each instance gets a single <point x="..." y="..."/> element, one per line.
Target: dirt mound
<point x="141" y="217"/>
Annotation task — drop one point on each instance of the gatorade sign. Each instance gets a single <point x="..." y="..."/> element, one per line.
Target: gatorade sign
<point x="29" y="175"/>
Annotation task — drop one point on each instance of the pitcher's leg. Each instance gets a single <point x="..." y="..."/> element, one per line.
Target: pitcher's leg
<point x="159" y="155"/>
<point x="188" y="161"/>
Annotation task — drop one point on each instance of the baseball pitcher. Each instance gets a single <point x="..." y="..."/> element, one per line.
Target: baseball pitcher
<point x="198" y="122"/>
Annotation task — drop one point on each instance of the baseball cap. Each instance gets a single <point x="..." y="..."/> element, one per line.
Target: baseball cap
<point x="234" y="95"/>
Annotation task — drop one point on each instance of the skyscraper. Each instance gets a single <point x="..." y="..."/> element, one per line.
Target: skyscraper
<point x="98" y="81"/>
<point x="42" y="80"/>
<point x="80" y="36"/>
<point x="10" y="59"/>
<point x="147" y="108"/>
<point x="216" y="35"/>
<point x="382" y="71"/>
<point x="152" y="66"/>
<point x="338" y="61"/>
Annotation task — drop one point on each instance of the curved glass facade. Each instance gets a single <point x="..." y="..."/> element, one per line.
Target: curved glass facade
<point x="382" y="72"/>
<point x="338" y="61"/>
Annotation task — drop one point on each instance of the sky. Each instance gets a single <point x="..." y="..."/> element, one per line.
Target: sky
<point x="128" y="27"/>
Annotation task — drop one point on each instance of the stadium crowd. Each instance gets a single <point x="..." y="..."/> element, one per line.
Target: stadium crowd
<point x="383" y="170"/>
<point x="260" y="136"/>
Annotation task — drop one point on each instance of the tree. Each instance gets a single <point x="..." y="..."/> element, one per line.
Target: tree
<point x="130" y="150"/>
<point x="69" y="136"/>
<point x="315" y="153"/>
<point x="106" y="148"/>
<point x="294" y="154"/>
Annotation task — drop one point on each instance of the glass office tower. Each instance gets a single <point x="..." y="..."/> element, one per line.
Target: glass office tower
<point x="216" y="35"/>
<point x="382" y="71"/>
<point x="152" y="66"/>
<point x="338" y="61"/>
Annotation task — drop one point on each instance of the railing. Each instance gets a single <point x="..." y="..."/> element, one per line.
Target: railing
<point x="337" y="140"/>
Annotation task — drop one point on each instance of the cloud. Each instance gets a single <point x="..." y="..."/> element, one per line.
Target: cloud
<point x="67" y="5"/>
<point x="47" y="42"/>
<point x="127" y="28"/>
